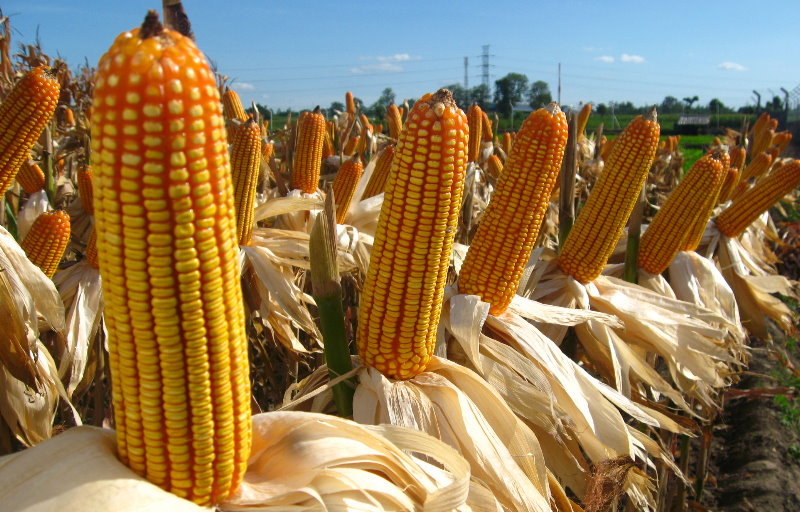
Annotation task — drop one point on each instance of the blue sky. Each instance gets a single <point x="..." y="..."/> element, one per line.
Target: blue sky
<point x="298" y="54"/>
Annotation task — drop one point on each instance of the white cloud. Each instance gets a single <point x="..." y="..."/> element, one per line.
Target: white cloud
<point x="605" y="58"/>
<point x="636" y="59"/>
<point x="731" y="66"/>
<point x="388" y="63"/>
<point x="244" y="86"/>
<point x="397" y="57"/>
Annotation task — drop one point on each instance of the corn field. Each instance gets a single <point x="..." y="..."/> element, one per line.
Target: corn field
<point x="344" y="313"/>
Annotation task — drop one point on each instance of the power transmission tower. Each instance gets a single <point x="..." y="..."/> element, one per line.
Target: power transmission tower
<point x="485" y="66"/>
<point x="466" y="72"/>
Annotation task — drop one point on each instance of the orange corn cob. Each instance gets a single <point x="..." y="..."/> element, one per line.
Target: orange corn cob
<point x="583" y="118"/>
<point x="781" y="141"/>
<point x="69" y="117"/>
<point x="91" y="250"/>
<point x="350" y="104"/>
<point x="366" y="126"/>
<point x="738" y="156"/>
<point x="232" y="109"/>
<point x="344" y="186"/>
<point x="608" y="146"/>
<point x="327" y="146"/>
<point x="85" y="180"/>
<point x="755" y="201"/>
<point x="486" y="128"/>
<point x="494" y="166"/>
<point x="601" y="222"/>
<point x="687" y="206"/>
<point x="245" y="164"/>
<point x="308" y="151"/>
<point x="403" y="292"/>
<point x="47" y="240"/>
<point x="166" y="241"/>
<point x="507" y="142"/>
<point x="729" y="184"/>
<point x="351" y="147"/>
<point x="24" y="113"/>
<point x="380" y="174"/>
<point x="475" y="118"/>
<point x="505" y="237"/>
<point x="31" y="177"/>
<point x="394" y="121"/>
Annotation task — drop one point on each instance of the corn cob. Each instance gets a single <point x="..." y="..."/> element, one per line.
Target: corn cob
<point x="782" y="140"/>
<point x="507" y="142"/>
<point x="762" y="140"/>
<point x="687" y="206"/>
<point x="486" y="128"/>
<point x="583" y="118"/>
<point x="91" y="250"/>
<point x="351" y="146"/>
<point x="475" y="118"/>
<point x="267" y="150"/>
<point x="245" y="164"/>
<point x="378" y="128"/>
<point x="47" y="240"/>
<point x="350" y="104"/>
<point x="608" y="146"/>
<point x="494" y="166"/>
<point x="729" y="184"/>
<point x="344" y="186"/>
<point x="166" y="241"/>
<point x="232" y="108"/>
<point x="502" y="245"/>
<point x="85" y="181"/>
<point x="394" y="121"/>
<point x="601" y="222"/>
<point x="757" y="167"/>
<point x="23" y="115"/>
<point x="69" y="117"/>
<point x="265" y="128"/>
<point x="308" y="151"/>
<point x="380" y="174"/>
<point x="755" y="201"/>
<point x="366" y="126"/>
<point x="327" y="145"/>
<point x="738" y="156"/>
<point x="31" y="177"/>
<point x="403" y="292"/>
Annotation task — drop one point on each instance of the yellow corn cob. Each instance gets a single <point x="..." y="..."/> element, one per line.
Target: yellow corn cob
<point x="687" y="206"/>
<point x="583" y="118"/>
<point x="23" y="115"/>
<point x="505" y="237"/>
<point x="475" y="118"/>
<point x="757" y="167"/>
<point x="605" y="151"/>
<point x="738" y="156"/>
<point x="327" y="146"/>
<point x="781" y="141"/>
<point x="507" y="142"/>
<point x="47" y="240"/>
<point x="91" y="250"/>
<point x="762" y="141"/>
<point x="232" y="109"/>
<point x="85" y="181"/>
<point x="361" y="145"/>
<point x="729" y="184"/>
<point x="308" y="151"/>
<point x="366" y="126"/>
<point x="166" y="241"/>
<point x="755" y="201"/>
<point x="601" y="222"/>
<point x="69" y="117"/>
<point x="394" y="121"/>
<point x="267" y="150"/>
<point x="351" y="146"/>
<point x="486" y="128"/>
<point x="245" y="163"/>
<point x="265" y="128"/>
<point x="494" y="166"/>
<point x="344" y="186"/>
<point x="350" y="104"/>
<point x="380" y="174"/>
<point x="403" y="292"/>
<point x="31" y="177"/>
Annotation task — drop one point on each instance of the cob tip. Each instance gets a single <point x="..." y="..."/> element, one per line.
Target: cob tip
<point x="552" y="108"/>
<point x="651" y="115"/>
<point x="151" y="26"/>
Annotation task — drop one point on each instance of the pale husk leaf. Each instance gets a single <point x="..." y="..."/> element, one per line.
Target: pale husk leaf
<point x="36" y="204"/>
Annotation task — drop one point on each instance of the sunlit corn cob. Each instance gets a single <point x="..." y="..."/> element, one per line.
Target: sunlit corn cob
<point x="69" y="117"/>
<point x="758" y="199"/>
<point x="738" y="156"/>
<point x="361" y="144"/>
<point x="166" y="241"/>
<point x="729" y="184"/>
<point x="602" y="220"/>
<point x="265" y="128"/>
<point x="394" y="121"/>
<point x="351" y="146"/>
<point x="687" y="206"/>
<point x="344" y="186"/>
<point x="403" y="292"/>
<point x="366" y="126"/>
<point x="781" y="140"/>
<point x="608" y="147"/>
<point x="494" y="166"/>
<point x="378" y="128"/>
<point x="308" y="151"/>
<point x="507" y="142"/>
<point x="475" y="118"/>
<point x="487" y="134"/>
<point x="232" y="108"/>
<point x="24" y="113"/>
<point x="245" y="163"/>
<point x="762" y="140"/>
<point x="327" y="145"/>
<point x="91" y="250"/>
<point x="31" y="177"/>
<point x="380" y="174"/>
<point x="85" y="183"/>
<point x="758" y="166"/>
<point x="509" y="227"/>
<point x="267" y="149"/>
<point x="583" y="118"/>
<point x="47" y="240"/>
<point x="350" y="104"/>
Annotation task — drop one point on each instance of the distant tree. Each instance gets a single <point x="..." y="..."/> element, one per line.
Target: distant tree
<point x="508" y="91"/>
<point x="263" y="111"/>
<point x="624" y="107"/>
<point x="480" y="94"/>
<point x="775" y="104"/>
<point x="669" y="105"/>
<point x="715" y="105"/>
<point x="335" y="105"/>
<point x="601" y="109"/>
<point x="460" y="95"/>
<point x="747" y="109"/>
<point x="690" y="101"/>
<point x="378" y="109"/>
<point x="539" y="94"/>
